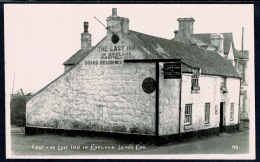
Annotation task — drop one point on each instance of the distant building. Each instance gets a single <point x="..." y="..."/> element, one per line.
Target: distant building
<point x="241" y="64"/>
<point x="126" y="85"/>
<point x="18" y="106"/>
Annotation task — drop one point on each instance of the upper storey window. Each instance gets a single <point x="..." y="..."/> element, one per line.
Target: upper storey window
<point x="195" y="79"/>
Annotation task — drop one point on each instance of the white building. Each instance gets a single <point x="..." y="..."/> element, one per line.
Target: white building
<point x="119" y="86"/>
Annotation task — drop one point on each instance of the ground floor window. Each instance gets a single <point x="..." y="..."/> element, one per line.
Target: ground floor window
<point x="188" y="113"/>
<point x="232" y="111"/>
<point x="207" y="112"/>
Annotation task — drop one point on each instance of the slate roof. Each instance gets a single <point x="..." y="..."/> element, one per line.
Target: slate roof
<point x="228" y="39"/>
<point x="80" y="54"/>
<point x="209" y="62"/>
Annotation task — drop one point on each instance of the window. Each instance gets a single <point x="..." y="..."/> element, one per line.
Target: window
<point x="195" y="79"/>
<point x="223" y="82"/>
<point x="232" y="112"/>
<point x="188" y="113"/>
<point x="67" y="111"/>
<point x="98" y="112"/>
<point x="207" y="112"/>
<point x="223" y="85"/>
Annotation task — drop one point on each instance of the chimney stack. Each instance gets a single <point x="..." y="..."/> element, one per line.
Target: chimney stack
<point x="185" y="30"/>
<point x="116" y="24"/>
<point x="217" y="41"/>
<point x="86" y="37"/>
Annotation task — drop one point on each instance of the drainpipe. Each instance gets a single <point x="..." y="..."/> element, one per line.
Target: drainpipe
<point x="180" y="106"/>
<point x="157" y="101"/>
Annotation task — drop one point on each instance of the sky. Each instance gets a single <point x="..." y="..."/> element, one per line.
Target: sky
<point x="40" y="37"/>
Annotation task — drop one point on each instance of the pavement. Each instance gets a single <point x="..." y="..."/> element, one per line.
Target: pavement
<point x="235" y="143"/>
<point x="225" y="143"/>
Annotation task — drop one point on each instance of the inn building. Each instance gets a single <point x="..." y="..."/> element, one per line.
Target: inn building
<point x="132" y="83"/>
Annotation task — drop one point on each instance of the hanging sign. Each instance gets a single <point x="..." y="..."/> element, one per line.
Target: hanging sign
<point x="149" y="85"/>
<point x="172" y="70"/>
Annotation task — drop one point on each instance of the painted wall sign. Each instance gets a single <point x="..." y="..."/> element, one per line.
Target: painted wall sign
<point x="113" y="55"/>
<point x="116" y="52"/>
<point x="149" y="85"/>
<point x="172" y="70"/>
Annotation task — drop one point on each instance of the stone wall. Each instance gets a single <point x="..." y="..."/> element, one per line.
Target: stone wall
<point x="94" y="98"/>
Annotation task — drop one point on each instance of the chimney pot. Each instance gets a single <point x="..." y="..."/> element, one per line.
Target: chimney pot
<point x="114" y="11"/>
<point x="176" y="33"/>
<point x="85" y="27"/>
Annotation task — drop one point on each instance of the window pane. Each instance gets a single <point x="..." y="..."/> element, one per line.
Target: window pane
<point x="188" y="113"/>
<point x="207" y="112"/>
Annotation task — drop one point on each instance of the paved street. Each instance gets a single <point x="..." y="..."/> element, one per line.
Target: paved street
<point x="21" y="144"/>
<point x="223" y="144"/>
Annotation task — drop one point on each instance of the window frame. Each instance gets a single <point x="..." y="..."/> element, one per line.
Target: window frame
<point x="195" y="79"/>
<point x="223" y="85"/>
<point x="67" y="110"/>
<point x="224" y="82"/>
<point x="189" y="114"/>
<point x="207" y="113"/>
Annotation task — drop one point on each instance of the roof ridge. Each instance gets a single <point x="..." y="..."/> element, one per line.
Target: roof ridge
<point x="199" y="38"/>
<point x="215" y="32"/>
<point x="150" y="35"/>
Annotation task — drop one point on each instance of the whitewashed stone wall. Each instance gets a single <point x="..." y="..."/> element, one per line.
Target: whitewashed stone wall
<point x="105" y="99"/>
<point x="98" y="97"/>
<point x="232" y="97"/>
<point x="209" y="93"/>
<point x="169" y="101"/>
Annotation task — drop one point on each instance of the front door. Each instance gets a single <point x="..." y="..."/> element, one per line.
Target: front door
<point x="221" y="114"/>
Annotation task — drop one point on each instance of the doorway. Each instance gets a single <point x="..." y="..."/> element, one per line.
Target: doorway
<point x="221" y="114"/>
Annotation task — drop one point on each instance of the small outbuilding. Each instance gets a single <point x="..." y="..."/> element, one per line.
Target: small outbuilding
<point x="132" y="83"/>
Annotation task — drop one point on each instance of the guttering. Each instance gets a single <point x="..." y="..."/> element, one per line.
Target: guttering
<point x="151" y="60"/>
<point x="180" y="106"/>
<point x="157" y="100"/>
